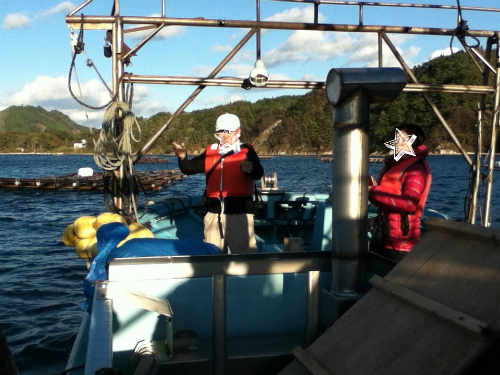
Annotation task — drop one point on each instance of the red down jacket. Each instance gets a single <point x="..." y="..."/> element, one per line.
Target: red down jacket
<point x="401" y="192"/>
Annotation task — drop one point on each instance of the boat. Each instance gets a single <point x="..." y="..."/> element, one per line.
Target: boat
<point x="276" y="311"/>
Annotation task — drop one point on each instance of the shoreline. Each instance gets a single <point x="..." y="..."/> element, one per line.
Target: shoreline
<point x="375" y="154"/>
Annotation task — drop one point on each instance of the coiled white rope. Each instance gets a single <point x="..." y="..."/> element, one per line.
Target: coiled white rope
<point x="112" y="150"/>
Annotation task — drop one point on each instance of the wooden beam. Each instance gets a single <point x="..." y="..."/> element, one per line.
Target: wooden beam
<point x="442" y="312"/>
<point x="308" y="361"/>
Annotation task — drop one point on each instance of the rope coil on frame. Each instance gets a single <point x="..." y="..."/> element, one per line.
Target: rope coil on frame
<point x="113" y="150"/>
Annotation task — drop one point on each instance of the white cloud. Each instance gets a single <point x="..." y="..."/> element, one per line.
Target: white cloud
<point x="19" y="20"/>
<point x="166" y="33"/>
<point x="42" y="89"/>
<point x="286" y="51"/>
<point x="220" y="100"/>
<point x="295" y="15"/>
<point x="237" y="70"/>
<point x="309" y="46"/>
<point x="64" y="7"/>
<point x="304" y="46"/>
<point x="52" y="93"/>
<point x="220" y="48"/>
<point x="366" y="51"/>
<point x="361" y="49"/>
<point x="312" y="77"/>
<point x="143" y="105"/>
<point x="442" y="52"/>
<point x="230" y="70"/>
<point x="15" y="21"/>
<point x="202" y="71"/>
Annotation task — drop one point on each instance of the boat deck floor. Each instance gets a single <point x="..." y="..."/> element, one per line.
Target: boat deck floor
<point x="250" y="354"/>
<point x="436" y="312"/>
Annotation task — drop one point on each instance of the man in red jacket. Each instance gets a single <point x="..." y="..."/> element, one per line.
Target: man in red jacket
<point x="401" y="191"/>
<point x="230" y="167"/>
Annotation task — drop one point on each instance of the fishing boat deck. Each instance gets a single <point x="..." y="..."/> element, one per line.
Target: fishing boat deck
<point x="275" y="294"/>
<point x="436" y="311"/>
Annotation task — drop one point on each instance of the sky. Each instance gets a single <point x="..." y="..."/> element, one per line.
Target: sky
<point x="36" y="50"/>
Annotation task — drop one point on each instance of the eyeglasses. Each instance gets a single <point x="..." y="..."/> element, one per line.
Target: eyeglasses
<point x="225" y="131"/>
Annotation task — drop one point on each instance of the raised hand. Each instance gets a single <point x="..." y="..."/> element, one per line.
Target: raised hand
<point x="179" y="150"/>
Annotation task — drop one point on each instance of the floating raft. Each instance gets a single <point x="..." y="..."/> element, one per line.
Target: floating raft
<point x="150" y="180"/>
<point x="327" y="159"/>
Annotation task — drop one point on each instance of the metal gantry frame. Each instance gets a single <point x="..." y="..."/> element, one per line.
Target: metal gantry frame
<point x="116" y="23"/>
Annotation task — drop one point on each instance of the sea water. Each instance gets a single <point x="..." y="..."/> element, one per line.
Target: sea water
<point x="41" y="279"/>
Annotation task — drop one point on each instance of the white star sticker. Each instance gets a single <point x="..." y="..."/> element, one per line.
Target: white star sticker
<point x="401" y="144"/>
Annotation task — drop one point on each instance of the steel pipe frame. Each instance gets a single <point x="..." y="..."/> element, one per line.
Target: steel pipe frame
<point x="349" y="217"/>
<point x="289" y="84"/>
<point x="312" y="303"/>
<point x="116" y="3"/>
<point x="139" y="45"/>
<point x="351" y="3"/>
<point x="257" y="36"/>
<point x="494" y="125"/>
<point x="393" y="5"/>
<point x="83" y="5"/>
<point x="474" y="55"/>
<point x="427" y="98"/>
<point x="382" y="30"/>
<point x="471" y="215"/>
<point x="118" y="92"/>
<point x="105" y="22"/>
<point x="190" y="99"/>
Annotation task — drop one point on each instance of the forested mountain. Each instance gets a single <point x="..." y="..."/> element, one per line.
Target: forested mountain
<point x="459" y="110"/>
<point x="27" y="128"/>
<point x="36" y="120"/>
<point x="287" y="124"/>
<point x="300" y="124"/>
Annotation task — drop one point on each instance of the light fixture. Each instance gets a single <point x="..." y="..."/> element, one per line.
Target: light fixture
<point x="259" y="75"/>
<point x="108" y="52"/>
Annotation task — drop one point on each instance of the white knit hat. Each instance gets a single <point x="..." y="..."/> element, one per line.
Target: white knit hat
<point x="228" y="122"/>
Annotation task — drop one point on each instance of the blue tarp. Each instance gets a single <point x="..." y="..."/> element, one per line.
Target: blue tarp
<point x="110" y="235"/>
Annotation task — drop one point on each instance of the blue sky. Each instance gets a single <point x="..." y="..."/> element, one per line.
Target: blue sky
<point x="35" y="45"/>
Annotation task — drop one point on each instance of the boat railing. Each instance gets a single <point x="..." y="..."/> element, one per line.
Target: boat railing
<point x="218" y="268"/>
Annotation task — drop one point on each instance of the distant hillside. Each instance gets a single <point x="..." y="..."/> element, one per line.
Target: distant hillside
<point x="303" y="124"/>
<point x="285" y="124"/>
<point x="36" y="120"/>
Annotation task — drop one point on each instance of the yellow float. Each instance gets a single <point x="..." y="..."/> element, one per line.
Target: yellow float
<point x="69" y="238"/>
<point x="86" y="248"/>
<point x="84" y="226"/>
<point x="108" y="217"/>
<point x="137" y="230"/>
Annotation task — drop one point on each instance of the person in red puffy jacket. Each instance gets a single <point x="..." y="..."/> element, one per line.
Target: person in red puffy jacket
<point x="400" y="193"/>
